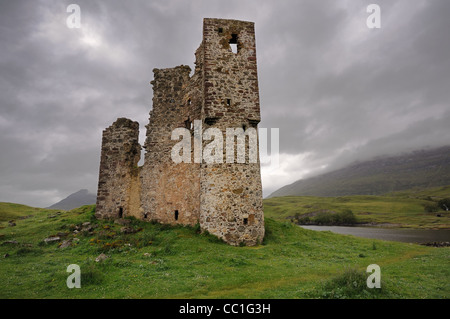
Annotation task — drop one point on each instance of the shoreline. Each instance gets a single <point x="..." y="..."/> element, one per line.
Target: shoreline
<point x="379" y="225"/>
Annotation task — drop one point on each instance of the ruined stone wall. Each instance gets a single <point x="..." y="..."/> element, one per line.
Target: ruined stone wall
<point x="170" y="192"/>
<point x="231" y="194"/>
<point x="119" y="173"/>
<point x="225" y="198"/>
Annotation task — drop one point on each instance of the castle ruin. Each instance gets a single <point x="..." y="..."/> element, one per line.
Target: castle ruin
<point x="223" y="198"/>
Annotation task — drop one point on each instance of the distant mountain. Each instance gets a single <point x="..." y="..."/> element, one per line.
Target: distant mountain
<point x="419" y="169"/>
<point x="80" y="198"/>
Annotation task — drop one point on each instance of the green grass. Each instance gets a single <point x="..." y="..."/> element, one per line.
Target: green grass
<point x="11" y="211"/>
<point x="160" y="261"/>
<point x="402" y="209"/>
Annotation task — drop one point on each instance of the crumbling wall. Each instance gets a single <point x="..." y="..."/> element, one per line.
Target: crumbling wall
<point x="225" y="198"/>
<point x="170" y="191"/>
<point x="119" y="173"/>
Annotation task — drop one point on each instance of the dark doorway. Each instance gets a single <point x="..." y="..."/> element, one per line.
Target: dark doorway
<point x="176" y="215"/>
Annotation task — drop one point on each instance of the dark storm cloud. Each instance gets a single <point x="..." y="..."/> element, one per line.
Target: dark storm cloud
<point x="338" y="91"/>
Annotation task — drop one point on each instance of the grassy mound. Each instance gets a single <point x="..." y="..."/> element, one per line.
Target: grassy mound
<point x="146" y="260"/>
<point x="11" y="211"/>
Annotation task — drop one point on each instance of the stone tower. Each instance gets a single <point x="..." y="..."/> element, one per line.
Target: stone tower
<point x="224" y="197"/>
<point x="118" y="176"/>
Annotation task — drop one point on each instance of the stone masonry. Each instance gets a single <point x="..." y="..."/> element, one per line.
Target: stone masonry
<point x="225" y="199"/>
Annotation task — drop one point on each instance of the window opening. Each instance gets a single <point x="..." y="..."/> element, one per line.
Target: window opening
<point x="176" y="215"/>
<point x="233" y="43"/>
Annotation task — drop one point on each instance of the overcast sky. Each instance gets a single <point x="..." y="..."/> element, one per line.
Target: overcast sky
<point x="337" y="90"/>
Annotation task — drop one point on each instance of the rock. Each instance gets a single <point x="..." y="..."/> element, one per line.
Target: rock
<point x="52" y="239"/>
<point x="86" y="224"/>
<point x="62" y="234"/>
<point x="65" y="244"/>
<point x="127" y="230"/>
<point x="147" y="254"/>
<point x="10" y="242"/>
<point x="11" y="223"/>
<point x="26" y="217"/>
<point x="122" y="221"/>
<point x="76" y="239"/>
<point x="437" y="244"/>
<point x="101" y="257"/>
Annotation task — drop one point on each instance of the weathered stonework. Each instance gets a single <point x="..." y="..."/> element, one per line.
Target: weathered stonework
<point x="119" y="172"/>
<point x="224" y="198"/>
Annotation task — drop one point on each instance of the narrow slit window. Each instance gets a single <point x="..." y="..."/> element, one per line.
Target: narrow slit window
<point x="228" y="102"/>
<point x="176" y="215"/>
<point x="220" y="30"/>
<point x="245" y="221"/>
<point x="120" y="212"/>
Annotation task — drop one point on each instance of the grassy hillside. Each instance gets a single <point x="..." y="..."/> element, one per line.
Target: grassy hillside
<point x="159" y="261"/>
<point x="420" y="169"/>
<point x="11" y="211"/>
<point x="402" y="209"/>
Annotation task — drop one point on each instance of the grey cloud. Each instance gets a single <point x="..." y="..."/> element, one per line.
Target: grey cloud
<point x="338" y="91"/>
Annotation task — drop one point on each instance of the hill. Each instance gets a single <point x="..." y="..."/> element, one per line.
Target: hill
<point x="77" y="199"/>
<point x="409" y="209"/>
<point x="160" y="261"/>
<point x="11" y="211"/>
<point x="420" y="169"/>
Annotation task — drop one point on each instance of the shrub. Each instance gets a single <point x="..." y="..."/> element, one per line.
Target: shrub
<point x="324" y="218"/>
<point x="327" y="218"/>
<point x="90" y="275"/>
<point x="352" y="283"/>
<point x="347" y="217"/>
<point x="431" y="208"/>
<point x="304" y="220"/>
